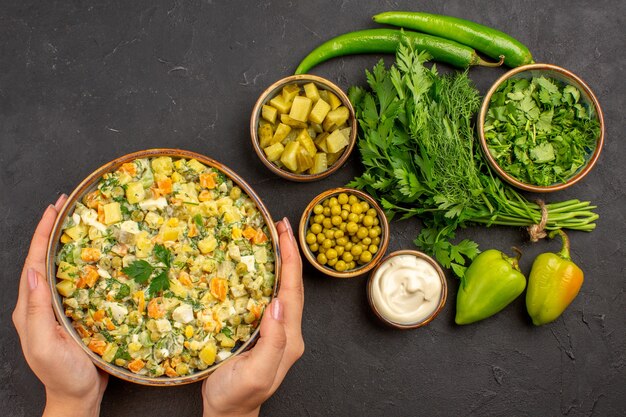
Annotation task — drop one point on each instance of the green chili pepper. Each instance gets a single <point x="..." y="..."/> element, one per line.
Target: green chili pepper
<point x="373" y="41"/>
<point x="553" y="283"/>
<point x="491" y="282"/>
<point x="489" y="41"/>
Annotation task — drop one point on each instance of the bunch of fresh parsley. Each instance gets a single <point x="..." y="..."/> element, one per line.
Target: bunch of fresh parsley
<point x="141" y="271"/>
<point x="539" y="131"/>
<point x="419" y="152"/>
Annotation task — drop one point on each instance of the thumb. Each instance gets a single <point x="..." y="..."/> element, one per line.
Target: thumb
<point x="267" y="354"/>
<point x="40" y="320"/>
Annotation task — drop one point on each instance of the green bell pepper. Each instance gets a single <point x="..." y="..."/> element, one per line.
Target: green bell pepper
<point x="491" y="282"/>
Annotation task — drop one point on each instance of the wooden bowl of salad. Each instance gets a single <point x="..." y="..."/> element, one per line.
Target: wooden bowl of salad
<point x="303" y="128"/>
<point x="161" y="264"/>
<point x="541" y="128"/>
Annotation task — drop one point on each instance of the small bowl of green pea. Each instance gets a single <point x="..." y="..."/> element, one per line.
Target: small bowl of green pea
<point x="343" y="232"/>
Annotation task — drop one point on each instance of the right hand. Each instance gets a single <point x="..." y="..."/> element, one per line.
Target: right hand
<point x="240" y="386"/>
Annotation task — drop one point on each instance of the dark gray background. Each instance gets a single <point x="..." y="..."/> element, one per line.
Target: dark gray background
<point x="82" y="83"/>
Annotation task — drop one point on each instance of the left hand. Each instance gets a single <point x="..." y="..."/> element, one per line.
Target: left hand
<point x="73" y="384"/>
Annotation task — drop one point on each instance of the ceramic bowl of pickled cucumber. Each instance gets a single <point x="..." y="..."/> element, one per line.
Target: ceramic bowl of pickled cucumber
<point x="343" y="232"/>
<point x="161" y="264"/>
<point x="303" y="128"/>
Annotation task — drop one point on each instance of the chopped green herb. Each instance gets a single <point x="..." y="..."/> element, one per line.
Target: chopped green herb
<point x="228" y="332"/>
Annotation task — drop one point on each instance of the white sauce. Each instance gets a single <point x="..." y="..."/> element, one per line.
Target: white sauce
<point x="406" y="289"/>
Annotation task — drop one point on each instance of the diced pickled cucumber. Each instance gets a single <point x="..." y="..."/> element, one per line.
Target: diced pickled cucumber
<point x="319" y="112"/>
<point x="307" y="143"/>
<point x="281" y="133"/>
<point x="324" y="95"/>
<point x="320" y="163"/>
<point x="317" y="127"/>
<point x="304" y="159"/>
<point x="336" y="141"/>
<point x="289" y="156"/>
<point x="338" y="116"/>
<point x="280" y="104"/>
<point x="331" y="158"/>
<point x="265" y="135"/>
<point x="269" y="113"/>
<point x="292" y="122"/>
<point x="274" y="151"/>
<point x="320" y="142"/>
<point x="290" y="137"/>
<point x="301" y="108"/>
<point x="346" y="131"/>
<point x="333" y="100"/>
<point x="311" y="91"/>
<point x="290" y="91"/>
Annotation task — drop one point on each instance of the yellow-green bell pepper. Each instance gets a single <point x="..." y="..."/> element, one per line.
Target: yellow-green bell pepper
<point x="553" y="283"/>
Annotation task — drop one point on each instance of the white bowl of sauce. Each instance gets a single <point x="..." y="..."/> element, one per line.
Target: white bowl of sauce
<point x="407" y="289"/>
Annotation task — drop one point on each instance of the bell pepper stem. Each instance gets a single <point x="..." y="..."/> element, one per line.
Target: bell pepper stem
<point x="518" y="256"/>
<point x="564" y="252"/>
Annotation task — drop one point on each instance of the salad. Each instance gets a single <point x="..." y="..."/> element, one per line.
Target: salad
<point x="166" y="267"/>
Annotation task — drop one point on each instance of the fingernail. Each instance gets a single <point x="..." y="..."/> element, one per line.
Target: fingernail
<point x="32" y="278"/>
<point x="59" y="199"/>
<point x="289" y="229"/>
<point x="277" y="310"/>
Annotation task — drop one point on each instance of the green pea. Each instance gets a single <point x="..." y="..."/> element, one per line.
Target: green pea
<point x="321" y="258"/>
<point x="331" y="253"/>
<point x="318" y="209"/>
<point x="353" y="217"/>
<point x="319" y="218"/>
<point x="341" y="241"/>
<point x="320" y="238"/>
<point x="340" y="250"/>
<point x="314" y="247"/>
<point x="332" y="262"/>
<point x="365" y="257"/>
<point x="362" y="232"/>
<point x="352" y="199"/>
<point x="333" y="201"/>
<point x="336" y="220"/>
<point x="352" y="228"/>
<point x="329" y="234"/>
<point x="373" y="249"/>
<point x="347" y="256"/>
<point x="344" y="214"/>
<point x="337" y="234"/>
<point x="327" y="223"/>
<point x="326" y="211"/>
<point x="368" y="221"/>
<point x="327" y="243"/>
<point x="316" y="228"/>
<point x="356" y="250"/>
<point x="342" y="198"/>
<point x="335" y="210"/>
<point x="371" y="212"/>
<point x="311" y="238"/>
<point x="356" y="208"/>
<point x="340" y="266"/>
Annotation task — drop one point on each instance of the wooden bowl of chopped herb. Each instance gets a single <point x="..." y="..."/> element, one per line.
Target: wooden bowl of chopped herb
<point x="541" y="128"/>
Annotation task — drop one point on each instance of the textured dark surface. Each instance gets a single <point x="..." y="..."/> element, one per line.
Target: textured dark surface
<point x="82" y="83"/>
